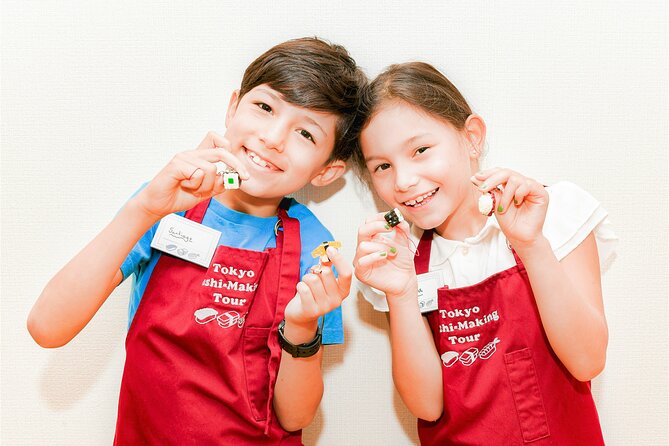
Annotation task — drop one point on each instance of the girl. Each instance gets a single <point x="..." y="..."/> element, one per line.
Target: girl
<point x="513" y="327"/>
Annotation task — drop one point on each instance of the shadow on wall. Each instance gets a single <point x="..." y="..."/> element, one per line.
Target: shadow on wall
<point x="312" y="194"/>
<point x="73" y="370"/>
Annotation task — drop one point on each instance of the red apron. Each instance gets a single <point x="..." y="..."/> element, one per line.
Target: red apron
<point x="503" y="384"/>
<point x="202" y="353"/>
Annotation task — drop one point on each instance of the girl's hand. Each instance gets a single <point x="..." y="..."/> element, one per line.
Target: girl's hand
<point x="520" y="202"/>
<point x="319" y="293"/>
<point x="385" y="262"/>
<point x="190" y="177"/>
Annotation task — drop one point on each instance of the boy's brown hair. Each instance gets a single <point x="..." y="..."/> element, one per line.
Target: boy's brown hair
<point x="315" y="74"/>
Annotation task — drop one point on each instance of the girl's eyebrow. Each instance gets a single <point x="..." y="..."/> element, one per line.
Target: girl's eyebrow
<point x="409" y="142"/>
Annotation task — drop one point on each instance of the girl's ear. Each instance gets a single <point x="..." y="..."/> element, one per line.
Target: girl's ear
<point x="232" y="107"/>
<point x="475" y="130"/>
<point x="329" y="173"/>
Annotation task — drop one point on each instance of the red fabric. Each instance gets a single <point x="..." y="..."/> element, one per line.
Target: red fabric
<point x="503" y="384"/>
<point x="201" y="359"/>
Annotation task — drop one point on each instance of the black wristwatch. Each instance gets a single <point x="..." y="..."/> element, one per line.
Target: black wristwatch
<point x="301" y="350"/>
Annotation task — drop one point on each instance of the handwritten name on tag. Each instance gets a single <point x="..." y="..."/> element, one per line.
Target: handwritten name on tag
<point x="186" y="239"/>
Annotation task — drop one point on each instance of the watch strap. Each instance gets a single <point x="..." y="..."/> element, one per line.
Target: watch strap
<point x="300" y="350"/>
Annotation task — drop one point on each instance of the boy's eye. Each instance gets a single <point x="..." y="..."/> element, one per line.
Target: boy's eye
<point x="382" y="166"/>
<point x="421" y="150"/>
<point x="264" y="106"/>
<point x="307" y="135"/>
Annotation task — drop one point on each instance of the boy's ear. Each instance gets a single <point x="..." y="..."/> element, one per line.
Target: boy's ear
<point x="475" y="130"/>
<point x="329" y="173"/>
<point x="232" y="107"/>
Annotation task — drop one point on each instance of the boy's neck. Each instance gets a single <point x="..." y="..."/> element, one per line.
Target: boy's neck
<point x="242" y="202"/>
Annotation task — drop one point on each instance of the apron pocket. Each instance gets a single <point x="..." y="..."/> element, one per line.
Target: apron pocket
<point x="526" y="395"/>
<point x="256" y="372"/>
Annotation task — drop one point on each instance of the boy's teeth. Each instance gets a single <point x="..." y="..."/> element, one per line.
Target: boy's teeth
<point x="260" y="161"/>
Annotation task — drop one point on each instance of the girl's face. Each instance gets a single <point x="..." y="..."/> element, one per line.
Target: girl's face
<point x="422" y="165"/>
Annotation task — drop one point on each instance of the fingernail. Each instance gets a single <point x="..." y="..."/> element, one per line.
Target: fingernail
<point x="383" y="254"/>
<point x="483" y="186"/>
<point x="515" y="201"/>
<point x="393" y="250"/>
<point x="500" y="208"/>
<point x="387" y="226"/>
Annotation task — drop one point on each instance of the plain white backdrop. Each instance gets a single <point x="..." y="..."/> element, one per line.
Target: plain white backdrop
<point x="98" y="95"/>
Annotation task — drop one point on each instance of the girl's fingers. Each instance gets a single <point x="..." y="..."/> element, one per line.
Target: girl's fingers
<point x="365" y="248"/>
<point x="521" y="192"/>
<point x="373" y="225"/>
<point x="372" y="259"/>
<point x="507" y="196"/>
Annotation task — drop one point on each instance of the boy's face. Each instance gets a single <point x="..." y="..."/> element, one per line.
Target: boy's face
<point x="283" y="146"/>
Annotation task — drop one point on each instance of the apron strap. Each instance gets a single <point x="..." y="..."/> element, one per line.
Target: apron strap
<point x="422" y="261"/>
<point x="289" y="244"/>
<point x="197" y="212"/>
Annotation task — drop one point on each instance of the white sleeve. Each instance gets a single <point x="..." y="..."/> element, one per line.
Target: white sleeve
<point x="572" y="215"/>
<point x="375" y="297"/>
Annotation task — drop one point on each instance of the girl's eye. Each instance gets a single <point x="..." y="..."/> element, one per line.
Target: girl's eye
<point x="381" y="167"/>
<point x="421" y="149"/>
<point x="307" y="135"/>
<point x="264" y="106"/>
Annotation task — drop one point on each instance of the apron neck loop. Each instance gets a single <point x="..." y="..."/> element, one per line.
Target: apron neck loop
<point x="197" y="212"/>
<point x="422" y="261"/>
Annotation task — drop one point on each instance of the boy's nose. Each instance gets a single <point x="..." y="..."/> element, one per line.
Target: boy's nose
<point x="273" y="136"/>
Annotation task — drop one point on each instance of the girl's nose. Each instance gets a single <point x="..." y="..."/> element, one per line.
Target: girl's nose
<point x="405" y="179"/>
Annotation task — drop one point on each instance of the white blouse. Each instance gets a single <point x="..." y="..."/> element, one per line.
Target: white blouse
<point x="571" y="216"/>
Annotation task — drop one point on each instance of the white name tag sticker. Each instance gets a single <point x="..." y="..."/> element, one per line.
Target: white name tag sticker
<point x="428" y="284"/>
<point x="183" y="238"/>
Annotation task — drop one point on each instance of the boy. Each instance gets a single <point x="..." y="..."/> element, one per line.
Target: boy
<point x="224" y="347"/>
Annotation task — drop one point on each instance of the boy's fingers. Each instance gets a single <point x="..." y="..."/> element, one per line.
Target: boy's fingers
<point x="309" y="306"/>
<point x="344" y="269"/>
<point x="212" y="140"/>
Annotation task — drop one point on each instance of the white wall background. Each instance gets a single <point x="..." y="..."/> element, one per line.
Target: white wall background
<point x="98" y="95"/>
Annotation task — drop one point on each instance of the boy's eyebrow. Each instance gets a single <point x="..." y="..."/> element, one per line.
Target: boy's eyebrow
<point x="278" y="98"/>
<point x="311" y="120"/>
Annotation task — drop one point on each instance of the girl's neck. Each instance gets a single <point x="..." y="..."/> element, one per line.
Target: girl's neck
<point x="465" y="221"/>
<point x="242" y="202"/>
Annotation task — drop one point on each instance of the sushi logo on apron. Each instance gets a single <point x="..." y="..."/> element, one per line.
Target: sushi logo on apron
<point x="226" y="319"/>
<point x="455" y="320"/>
<point x="470" y="355"/>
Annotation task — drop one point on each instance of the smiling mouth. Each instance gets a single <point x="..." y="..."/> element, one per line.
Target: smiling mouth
<point x="259" y="161"/>
<point x="421" y="200"/>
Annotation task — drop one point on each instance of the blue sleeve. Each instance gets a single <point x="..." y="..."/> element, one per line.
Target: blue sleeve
<point x="312" y="234"/>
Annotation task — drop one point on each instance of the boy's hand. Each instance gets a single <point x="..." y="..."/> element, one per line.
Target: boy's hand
<point x="317" y="294"/>
<point x="521" y="204"/>
<point x="190" y="177"/>
<point x="385" y="262"/>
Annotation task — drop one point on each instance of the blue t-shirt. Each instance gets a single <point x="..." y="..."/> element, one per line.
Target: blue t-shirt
<point x="244" y="231"/>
